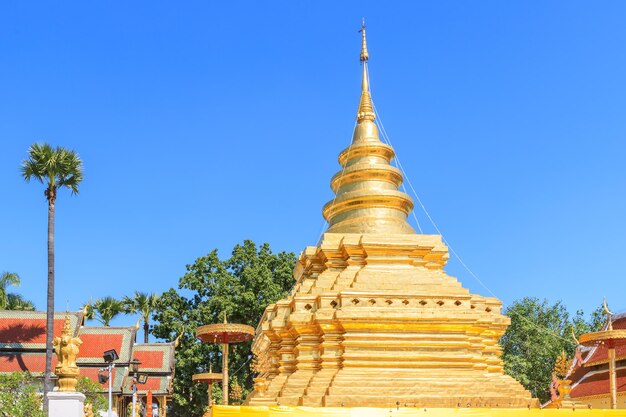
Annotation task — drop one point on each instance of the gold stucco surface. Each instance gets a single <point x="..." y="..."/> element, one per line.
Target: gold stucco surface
<point x="373" y="319"/>
<point x="282" y="411"/>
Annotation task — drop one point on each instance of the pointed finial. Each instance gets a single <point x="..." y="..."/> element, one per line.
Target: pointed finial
<point x="609" y="314"/>
<point x="364" y="55"/>
<point x="366" y="109"/>
<point x="225" y="321"/>
<point x="177" y="340"/>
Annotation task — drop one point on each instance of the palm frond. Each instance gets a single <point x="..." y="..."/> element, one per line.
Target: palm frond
<point x="106" y="309"/>
<point x="9" y="278"/>
<point x="56" y="167"/>
<point x="17" y="302"/>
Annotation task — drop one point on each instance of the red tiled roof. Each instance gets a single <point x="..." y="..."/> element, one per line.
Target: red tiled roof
<point x="118" y="377"/>
<point x="150" y="359"/>
<point x="159" y="385"/>
<point x="598" y="384"/>
<point x="22" y="348"/>
<point x="96" y="340"/>
<point x="95" y="344"/>
<point x="27" y="329"/>
<point x="155" y="363"/>
<point x="20" y="362"/>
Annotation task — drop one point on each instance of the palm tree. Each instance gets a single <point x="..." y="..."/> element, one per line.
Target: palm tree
<point x="55" y="168"/>
<point x="144" y="304"/>
<point x="17" y="302"/>
<point x="6" y="279"/>
<point x="105" y="309"/>
<point x="11" y="301"/>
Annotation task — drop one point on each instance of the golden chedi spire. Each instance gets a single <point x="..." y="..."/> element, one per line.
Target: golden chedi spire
<point x="367" y="199"/>
<point x="373" y="319"/>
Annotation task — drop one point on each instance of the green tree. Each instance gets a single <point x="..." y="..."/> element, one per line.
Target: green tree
<point x="143" y="304"/>
<point x="17" y="302"/>
<point x="55" y="168"/>
<point x="104" y="310"/>
<point x="93" y="394"/>
<point x="240" y="286"/>
<point x="18" y="396"/>
<point x="538" y="333"/>
<point x="12" y="301"/>
<point x="6" y="279"/>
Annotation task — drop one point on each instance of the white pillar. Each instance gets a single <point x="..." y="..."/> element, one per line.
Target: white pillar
<point x="65" y="404"/>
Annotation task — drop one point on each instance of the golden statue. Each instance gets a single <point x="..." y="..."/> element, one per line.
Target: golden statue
<point x="66" y="349"/>
<point x="88" y="410"/>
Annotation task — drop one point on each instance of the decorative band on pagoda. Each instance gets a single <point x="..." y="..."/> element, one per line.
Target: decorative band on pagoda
<point x="365" y="172"/>
<point x="365" y="200"/>
<point x="377" y="149"/>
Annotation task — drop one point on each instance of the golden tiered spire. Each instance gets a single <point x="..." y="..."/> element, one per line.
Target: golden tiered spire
<point x="366" y="111"/>
<point x="367" y="197"/>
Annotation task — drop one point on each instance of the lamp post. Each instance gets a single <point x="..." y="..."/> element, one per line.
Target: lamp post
<point x="137" y="378"/>
<point x="109" y="357"/>
<point x="135" y="369"/>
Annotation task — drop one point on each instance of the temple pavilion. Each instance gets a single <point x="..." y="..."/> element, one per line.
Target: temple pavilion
<point x="23" y="348"/>
<point x="373" y="319"/>
<point x="590" y="372"/>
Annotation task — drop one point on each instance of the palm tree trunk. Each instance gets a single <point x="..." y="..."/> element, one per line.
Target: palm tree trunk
<point x="47" y="387"/>
<point x="146" y="328"/>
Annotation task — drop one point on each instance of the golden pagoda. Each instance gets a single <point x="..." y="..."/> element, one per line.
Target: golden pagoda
<point x="373" y="319"/>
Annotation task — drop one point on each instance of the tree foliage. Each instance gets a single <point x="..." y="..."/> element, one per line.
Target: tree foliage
<point x="93" y="394"/>
<point x="12" y="301"/>
<point x="18" y="396"/>
<point x="104" y="310"/>
<point x="143" y="304"/>
<point x="240" y="286"/>
<point x="538" y="334"/>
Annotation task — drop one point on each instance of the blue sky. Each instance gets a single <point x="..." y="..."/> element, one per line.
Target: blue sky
<point x="202" y="124"/>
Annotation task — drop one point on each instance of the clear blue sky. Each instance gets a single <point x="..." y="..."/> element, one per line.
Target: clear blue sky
<point x="202" y="124"/>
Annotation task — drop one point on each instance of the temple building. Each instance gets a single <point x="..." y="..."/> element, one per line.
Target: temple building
<point x="373" y="319"/>
<point x="22" y="348"/>
<point x="590" y="372"/>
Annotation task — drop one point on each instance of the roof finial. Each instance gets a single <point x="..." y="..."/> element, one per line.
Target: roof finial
<point x="609" y="314"/>
<point x="366" y="110"/>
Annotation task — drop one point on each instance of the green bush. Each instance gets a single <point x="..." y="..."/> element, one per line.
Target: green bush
<point x="93" y="393"/>
<point x="19" y="395"/>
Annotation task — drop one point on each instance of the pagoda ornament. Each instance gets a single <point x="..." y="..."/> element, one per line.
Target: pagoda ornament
<point x="66" y="348"/>
<point x="561" y="385"/>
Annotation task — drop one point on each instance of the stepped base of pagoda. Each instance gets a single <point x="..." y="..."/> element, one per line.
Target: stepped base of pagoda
<point x="409" y="411"/>
<point x="390" y="387"/>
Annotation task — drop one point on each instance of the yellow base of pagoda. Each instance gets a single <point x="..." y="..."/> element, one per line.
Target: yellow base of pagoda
<point x="283" y="411"/>
<point x="373" y="321"/>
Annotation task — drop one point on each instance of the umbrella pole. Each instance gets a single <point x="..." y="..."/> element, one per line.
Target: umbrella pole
<point x="225" y="372"/>
<point x="613" y="382"/>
